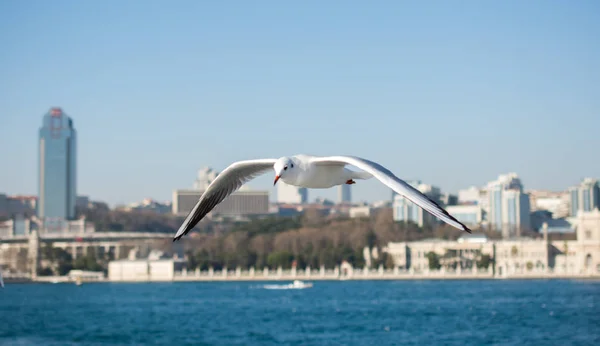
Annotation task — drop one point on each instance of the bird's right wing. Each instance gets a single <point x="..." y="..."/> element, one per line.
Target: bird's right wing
<point x="388" y="178"/>
<point x="226" y="183"/>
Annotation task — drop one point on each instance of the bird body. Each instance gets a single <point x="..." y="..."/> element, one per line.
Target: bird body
<point x="314" y="172"/>
<point x="310" y="175"/>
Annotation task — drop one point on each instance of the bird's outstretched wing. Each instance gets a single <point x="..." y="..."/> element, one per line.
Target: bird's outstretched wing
<point x="395" y="183"/>
<point x="226" y="183"/>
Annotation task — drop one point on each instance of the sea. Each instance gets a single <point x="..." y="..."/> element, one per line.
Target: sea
<point x="416" y="312"/>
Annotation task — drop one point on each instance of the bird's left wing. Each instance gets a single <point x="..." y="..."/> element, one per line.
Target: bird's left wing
<point x="226" y="183"/>
<point x="395" y="183"/>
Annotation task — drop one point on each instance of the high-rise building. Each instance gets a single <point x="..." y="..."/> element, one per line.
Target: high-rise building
<point x="291" y="194"/>
<point x="57" y="168"/>
<point x="557" y="203"/>
<point x="585" y="196"/>
<point x="205" y="177"/>
<point x="344" y="193"/>
<point x="509" y="209"/>
<point x="472" y="195"/>
<point x="448" y="199"/>
<point x="405" y="210"/>
<point x="469" y="214"/>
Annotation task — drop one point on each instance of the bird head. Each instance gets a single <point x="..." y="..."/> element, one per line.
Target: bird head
<point x="283" y="168"/>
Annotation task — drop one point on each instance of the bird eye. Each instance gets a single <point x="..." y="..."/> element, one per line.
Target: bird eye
<point x="292" y="165"/>
<point x="285" y="168"/>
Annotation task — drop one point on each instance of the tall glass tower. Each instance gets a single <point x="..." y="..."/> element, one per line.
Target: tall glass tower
<point x="57" y="168"/>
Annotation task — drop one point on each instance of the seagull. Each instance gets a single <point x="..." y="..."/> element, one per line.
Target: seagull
<point x="313" y="172"/>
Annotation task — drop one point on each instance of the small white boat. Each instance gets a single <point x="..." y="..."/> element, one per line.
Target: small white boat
<point x="297" y="284"/>
<point x="301" y="284"/>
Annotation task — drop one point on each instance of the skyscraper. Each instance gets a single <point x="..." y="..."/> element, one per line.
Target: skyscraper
<point x="205" y="177"/>
<point x="57" y="167"/>
<point x="344" y="193"/>
<point x="405" y="210"/>
<point x="585" y="196"/>
<point x="509" y="208"/>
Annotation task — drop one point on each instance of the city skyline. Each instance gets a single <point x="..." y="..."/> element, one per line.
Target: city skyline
<point x="453" y="97"/>
<point x="205" y="174"/>
<point x="149" y="149"/>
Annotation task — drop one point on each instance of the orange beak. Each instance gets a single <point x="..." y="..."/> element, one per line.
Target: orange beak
<point x="276" y="178"/>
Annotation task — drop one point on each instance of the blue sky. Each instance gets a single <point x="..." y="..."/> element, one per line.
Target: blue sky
<point x="452" y="93"/>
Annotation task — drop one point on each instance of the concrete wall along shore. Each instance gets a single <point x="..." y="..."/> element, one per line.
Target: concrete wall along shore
<point x="139" y="270"/>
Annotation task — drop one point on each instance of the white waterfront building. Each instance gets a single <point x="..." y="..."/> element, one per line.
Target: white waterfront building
<point x="156" y="267"/>
<point x="516" y="256"/>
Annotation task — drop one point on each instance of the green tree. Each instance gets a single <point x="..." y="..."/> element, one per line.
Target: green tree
<point x="88" y="262"/>
<point x="345" y="253"/>
<point x="388" y="261"/>
<point x="280" y="258"/>
<point x="45" y="271"/>
<point x="484" y="261"/>
<point x="268" y="225"/>
<point x="434" y="260"/>
<point x="371" y="239"/>
<point x="61" y="262"/>
<point x="192" y="262"/>
<point x="206" y="260"/>
<point x="359" y="259"/>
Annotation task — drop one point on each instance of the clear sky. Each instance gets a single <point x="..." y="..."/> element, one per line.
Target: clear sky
<point x="449" y="92"/>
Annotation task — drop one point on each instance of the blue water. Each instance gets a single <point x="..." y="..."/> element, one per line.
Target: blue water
<point x="486" y="312"/>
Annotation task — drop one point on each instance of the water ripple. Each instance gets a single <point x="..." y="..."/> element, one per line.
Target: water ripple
<point x="485" y="312"/>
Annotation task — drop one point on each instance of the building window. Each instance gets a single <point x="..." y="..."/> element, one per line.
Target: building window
<point x="587" y="205"/>
<point x="574" y="202"/>
<point x="498" y="208"/>
<point x="512" y="211"/>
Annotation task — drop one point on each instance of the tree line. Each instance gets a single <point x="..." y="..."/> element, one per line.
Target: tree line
<point x="311" y="239"/>
<point x="57" y="261"/>
<point x="107" y="220"/>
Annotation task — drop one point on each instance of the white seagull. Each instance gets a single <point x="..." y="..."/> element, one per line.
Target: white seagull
<point x="311" y="172"/>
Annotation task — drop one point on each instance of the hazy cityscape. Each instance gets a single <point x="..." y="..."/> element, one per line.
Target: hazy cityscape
<point x="118" y="116"/>
<point x="60" y="234"/>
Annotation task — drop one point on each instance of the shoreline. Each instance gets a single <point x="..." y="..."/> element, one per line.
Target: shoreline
<point x="52" y="280"/>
